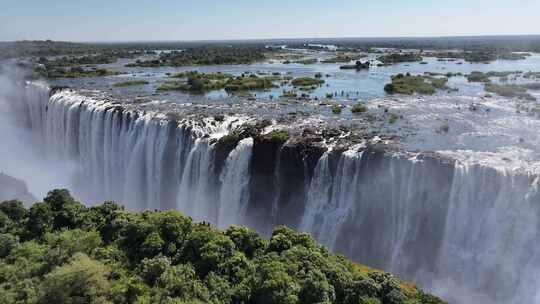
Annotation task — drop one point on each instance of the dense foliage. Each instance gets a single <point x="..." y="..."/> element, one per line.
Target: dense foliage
<point x="500" y="44"/>
<point x="399" y="57"/>
<point x="359" y="65"/>
<point x="206" y="56"/>
<point x="77" y="60"/>
<point x="129" y="83"/>
<point x="306" y="82"/>
<point x="73" y="72"/>
<point x="511" y="90"/>
<point x="410" y="84"/>
<point x="344" y="58"/>
<point x="196" y="82"/>
<point x="59" y="251"/>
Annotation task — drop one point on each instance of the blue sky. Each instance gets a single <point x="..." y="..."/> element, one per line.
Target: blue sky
<point x="117" y="20"/>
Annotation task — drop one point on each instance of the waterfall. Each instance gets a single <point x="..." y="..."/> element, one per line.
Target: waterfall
<point x="140" y="159"/>
<point x="463" y="230"/>
<point x="234" y="195"/>
<point x="197" y="194"/>
<point x="331" y="198"/>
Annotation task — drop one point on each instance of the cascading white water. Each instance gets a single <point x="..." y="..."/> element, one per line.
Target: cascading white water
<point x="197" y="195"/>
<point x="493" y="223"/>
<point x="330" y="198"/>
<point x="468" y="236"/>
<point x="126" y="156"/>
<point x="234" y="195"/>
<point x="460" y="230"/>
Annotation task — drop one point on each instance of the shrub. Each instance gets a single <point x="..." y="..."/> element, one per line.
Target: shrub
<point x="306" y="82"/>
<point x="409" y="84"/>
<point x="359" y="108"/>
<point x="151" y="269"/>
<point x="130" y="83"/>
<point x="476" y="76"/>
<point x="83" y="280"/>
<point x="336" y="109"/>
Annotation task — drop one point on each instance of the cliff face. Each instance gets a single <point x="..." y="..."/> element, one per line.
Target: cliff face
<point x="431" y="219"/>
<point x="12" y="188"/>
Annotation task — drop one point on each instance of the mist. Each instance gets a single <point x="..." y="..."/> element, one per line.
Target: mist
<point x="22" y="156"/>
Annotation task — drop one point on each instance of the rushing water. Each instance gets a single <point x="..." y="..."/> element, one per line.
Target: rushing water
<point x="346" y="84"/>
<point x="463" y="230"/>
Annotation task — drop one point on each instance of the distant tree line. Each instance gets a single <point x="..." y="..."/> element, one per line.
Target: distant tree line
<point x="206" y="56"/>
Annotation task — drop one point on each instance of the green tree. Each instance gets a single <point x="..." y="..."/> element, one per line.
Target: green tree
<point x="151" y="269"/>
<point x="83" y="280"/>
<point x="246" y="240"/>
<point x="40" y="220"/>
<point x="7" y="243"/>
<point x="181" y="281"/>
<point x="64" y="244"/>
<point x="274" y="285"/>
<point x="316" y="289"/>
<point x="14" y="209"/>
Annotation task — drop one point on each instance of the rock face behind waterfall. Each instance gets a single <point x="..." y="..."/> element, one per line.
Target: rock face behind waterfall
<point x="464" y="230"/>
<point x="12" y="188"/>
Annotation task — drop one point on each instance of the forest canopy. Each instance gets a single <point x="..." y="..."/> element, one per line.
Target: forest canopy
<point x="59" y="251"/>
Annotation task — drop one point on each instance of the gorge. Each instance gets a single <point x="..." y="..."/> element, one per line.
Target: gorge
<point x="459" y="229"/>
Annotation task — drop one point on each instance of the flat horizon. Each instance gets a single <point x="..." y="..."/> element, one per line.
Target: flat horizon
<point x="287" y="39"/>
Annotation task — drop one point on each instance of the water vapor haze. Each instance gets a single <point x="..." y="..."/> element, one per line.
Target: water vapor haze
<point x="20" y="154"/>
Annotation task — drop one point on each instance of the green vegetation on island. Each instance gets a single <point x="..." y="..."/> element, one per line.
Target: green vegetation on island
<point x="469" y="56"/>
<point x="506" y="90"/>
<point x="130" y="83"/>
<point x="76" y="66"/>
<point x="447" y="75"/>
<point x="248" y="83"/>
<point x="399" y="57"/>
<point x="479" y="56"/>
<point x="344" y="58"/>
<point x="74" y="72"/>
<point x="514" y="56"/>
<point x="200" y="82"/>
<point x="476" y="76"/>
<point x="306" y="61"/>
<point x="410" y="84"/>
<point x="306" y="82"/>
<point x="210" y="55"/>
<point x="67" y="61"/>
<point x="359" y="108"/>
<point x="510" y="90"/>
<point x="359" y="65"/>
<point x="336" y="109"/>
<point x="289" y="94"/>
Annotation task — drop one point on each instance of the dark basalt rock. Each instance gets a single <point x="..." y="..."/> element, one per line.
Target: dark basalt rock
<point x="263" y="186"/>
<point x="297" y="162"/>
<point x="55" y="89"/>
<point x="227" y="143"/>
